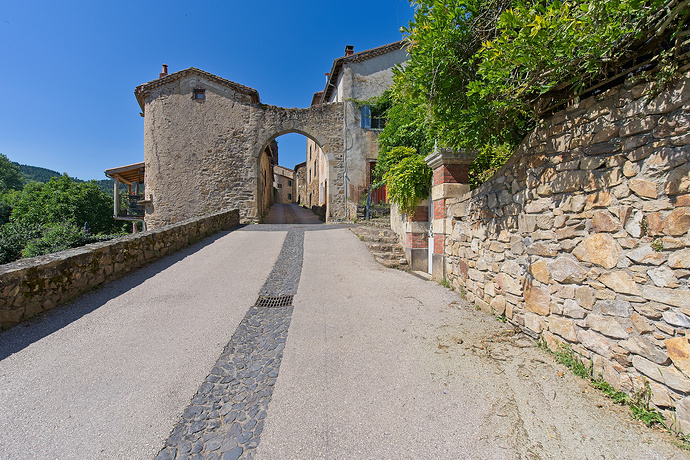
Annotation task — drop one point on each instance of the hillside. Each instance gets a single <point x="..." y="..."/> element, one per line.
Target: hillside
<point x="43" y="175"/>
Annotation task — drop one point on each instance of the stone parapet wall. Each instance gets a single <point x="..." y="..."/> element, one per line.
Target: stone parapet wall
<point x="583" y="238"/>
<point x="30" y="286"/>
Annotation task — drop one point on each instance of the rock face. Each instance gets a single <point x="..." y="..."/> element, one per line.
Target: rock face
<point x="596" y="226"/>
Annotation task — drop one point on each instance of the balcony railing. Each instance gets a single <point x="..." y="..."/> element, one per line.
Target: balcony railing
<point x="130" y="207"/>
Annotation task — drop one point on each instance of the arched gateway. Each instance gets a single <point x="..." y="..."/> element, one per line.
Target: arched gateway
<point x="204" y="137"/>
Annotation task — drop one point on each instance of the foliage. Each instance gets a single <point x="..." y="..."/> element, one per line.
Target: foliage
<point x="10" y="177"/>
<point x="483" y="72"/>
<point x="43" y="175"/>
<point x="390" y="158"/>
<point x="13" y="238"/>
<point x="638" y="403"/>
<point x="406" y="127"/>
<point x="63" y="200"/>
<point x="54" y="238"/>
<point x="489" y="159"/>
<point x="541" y="46"/>
<point x="36" y="173"/>
<point x="408" y="182"/>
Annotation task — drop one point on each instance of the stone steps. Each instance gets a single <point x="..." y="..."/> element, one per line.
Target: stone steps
<point x="383" y="244"/>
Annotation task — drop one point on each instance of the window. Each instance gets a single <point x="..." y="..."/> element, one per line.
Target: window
<point x="373" y="119"/>
<point x="199" y="94"/>
<point x="289" y="196"/>
<point x="289" y="183"/>
<point x="280" y="185"/>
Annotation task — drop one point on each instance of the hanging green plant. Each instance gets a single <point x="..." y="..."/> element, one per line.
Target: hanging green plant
<point x="408" y="182"/>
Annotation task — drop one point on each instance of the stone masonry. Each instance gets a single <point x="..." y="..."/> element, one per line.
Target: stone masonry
<point x="583" y="238"/>
<point x="203" y="137"/>
<point x="31" y="286"/>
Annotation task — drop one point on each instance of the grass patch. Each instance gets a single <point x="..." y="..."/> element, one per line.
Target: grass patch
<point x="638" y="403"/>
<point x="445" y="283"/>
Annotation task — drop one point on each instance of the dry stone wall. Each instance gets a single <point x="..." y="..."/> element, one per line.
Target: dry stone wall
<point x="582" y="238"/>
<point x="30" y="286"/>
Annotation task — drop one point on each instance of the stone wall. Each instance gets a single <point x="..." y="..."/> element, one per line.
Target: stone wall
<point x="30" y="286"/>
<point x="582" y="238"/>
<point x="203" y="155"/>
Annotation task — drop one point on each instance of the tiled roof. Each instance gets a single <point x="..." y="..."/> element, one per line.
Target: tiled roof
<point x="141" y="91"/>
<point x="356" y="57"/>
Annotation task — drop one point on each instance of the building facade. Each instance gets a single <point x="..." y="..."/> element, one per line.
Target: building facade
<point x="354" y="79"/>
<point x="284" y="185"/>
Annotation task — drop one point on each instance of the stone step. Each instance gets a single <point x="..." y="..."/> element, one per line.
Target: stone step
<point x="392" y="263"/>
<point x="382" y="247"/>
<point x="383" y="244"/>
<point x="388" y="255"/>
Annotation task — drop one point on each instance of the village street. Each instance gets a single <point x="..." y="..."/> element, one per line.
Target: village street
<point x="340" y="358"/>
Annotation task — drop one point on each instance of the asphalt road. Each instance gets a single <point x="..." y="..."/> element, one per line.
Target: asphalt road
<point x="377" y="364"/>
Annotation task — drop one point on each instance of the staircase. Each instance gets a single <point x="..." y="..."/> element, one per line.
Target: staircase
<point x="382" y="242"/>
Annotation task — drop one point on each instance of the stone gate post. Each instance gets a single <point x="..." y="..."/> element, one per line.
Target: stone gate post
<point x="450" y="179"/>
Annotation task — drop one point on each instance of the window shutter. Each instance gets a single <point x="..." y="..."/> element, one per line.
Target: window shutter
<point x="366" y="116"/>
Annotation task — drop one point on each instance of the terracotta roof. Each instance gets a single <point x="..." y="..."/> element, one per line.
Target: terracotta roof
<point x="356" y="57"/>
<point x="142" y="91"/>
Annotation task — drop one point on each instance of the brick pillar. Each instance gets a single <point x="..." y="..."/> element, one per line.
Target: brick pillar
<point x="414" y="229"/>
<point x="451" y="179"/>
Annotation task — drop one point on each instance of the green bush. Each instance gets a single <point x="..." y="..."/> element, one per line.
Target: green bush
<point x="54" y="238"/>
<point x="14" y="238"/>
<point x="408" y="182"/>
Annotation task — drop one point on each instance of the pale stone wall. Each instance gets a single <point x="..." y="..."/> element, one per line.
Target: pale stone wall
<point x="266" y="183"/>
<point x="301" y="180"/>
<point x="313" y="167"/>
<point x="583" y="238"/>
<point x="203" y="156"/>
<point x="284" y="181"/>
<point x="362" y="80"/>
<point x="30" y="286"/>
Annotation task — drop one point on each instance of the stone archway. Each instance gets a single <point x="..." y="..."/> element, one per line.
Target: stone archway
<point x="203" y="139"/>
<point x="321" y="124"/>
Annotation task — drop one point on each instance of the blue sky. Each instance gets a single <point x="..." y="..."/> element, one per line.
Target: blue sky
<point x="69" y="68"/>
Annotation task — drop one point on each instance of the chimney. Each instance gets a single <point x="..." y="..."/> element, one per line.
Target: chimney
<point x="349" y="50"/>
<point x="164" y="73"/>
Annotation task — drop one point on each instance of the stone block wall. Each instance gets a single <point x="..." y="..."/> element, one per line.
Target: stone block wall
<point x="583" y="238"/>
<point x="30" y="286"/>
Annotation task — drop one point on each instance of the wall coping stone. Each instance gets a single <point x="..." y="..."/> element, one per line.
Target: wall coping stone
<point x="39" y="283"/>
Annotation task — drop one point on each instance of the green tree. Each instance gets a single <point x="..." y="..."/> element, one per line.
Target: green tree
<point x="64" y="201"/>
<point x="10" y="176"/>
<point x="482" y="73"/>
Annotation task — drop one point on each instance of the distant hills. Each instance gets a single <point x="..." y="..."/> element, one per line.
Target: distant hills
<point x="43" y="175"/>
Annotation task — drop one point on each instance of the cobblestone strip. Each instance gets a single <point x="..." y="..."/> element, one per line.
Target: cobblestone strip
<point x="226" y="416"/>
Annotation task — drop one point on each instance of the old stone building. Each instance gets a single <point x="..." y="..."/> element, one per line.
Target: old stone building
<point x="209" y="143"/>
<point x="354" y="79"/>
<point x="208" y="146"/>
<point x="301" y="181"/>
<point x="284" y="185"/>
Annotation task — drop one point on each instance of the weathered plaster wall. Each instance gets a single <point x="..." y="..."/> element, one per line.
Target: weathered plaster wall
<point x="203" y="156"/>
<point x="583" y="238"/>
<point x="284" y="181"/>
<point x="266" y="183"/>
<point x="313" y="159"/>
<point x="30" y="286"/>
<point x="301" y="180"/>
<point x="363" y="80"/>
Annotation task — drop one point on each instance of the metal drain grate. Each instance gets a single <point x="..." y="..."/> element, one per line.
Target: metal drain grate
<point x="274" y="301"/>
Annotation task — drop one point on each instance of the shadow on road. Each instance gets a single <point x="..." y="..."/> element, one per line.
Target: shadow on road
<point x="46" y="323"/>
